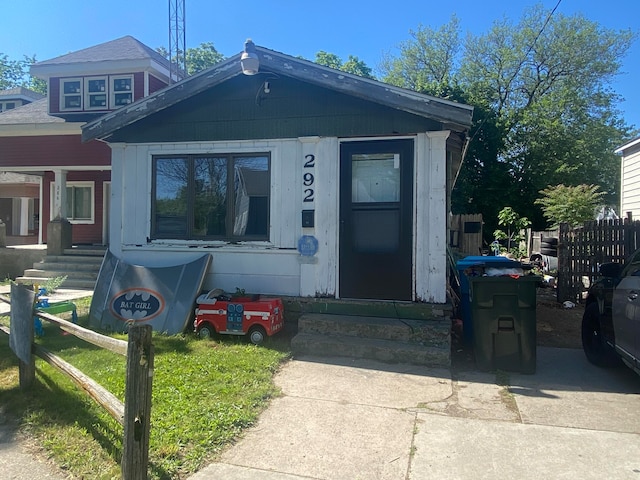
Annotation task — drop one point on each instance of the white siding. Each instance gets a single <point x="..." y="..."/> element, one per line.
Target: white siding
<point x="630" y="185"/>
<point x="276" y="267"/>
<point x="431" y="217"/>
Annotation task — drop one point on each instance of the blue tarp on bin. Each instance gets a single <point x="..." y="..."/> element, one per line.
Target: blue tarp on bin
<point x="465" y="302"/>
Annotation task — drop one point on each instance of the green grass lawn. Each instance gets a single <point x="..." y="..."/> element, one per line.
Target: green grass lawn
<point x="204" y="394"/>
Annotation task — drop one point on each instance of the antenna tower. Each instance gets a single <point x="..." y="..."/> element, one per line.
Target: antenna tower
<point x="177" y="40"/>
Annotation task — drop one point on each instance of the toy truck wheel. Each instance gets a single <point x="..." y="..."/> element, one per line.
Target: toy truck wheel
<point x="206" y="331"/>
<point x="257" y="335"/>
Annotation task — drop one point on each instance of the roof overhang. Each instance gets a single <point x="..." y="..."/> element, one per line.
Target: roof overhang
<point x="453" y="116"/>
<point x="626" y="146"/>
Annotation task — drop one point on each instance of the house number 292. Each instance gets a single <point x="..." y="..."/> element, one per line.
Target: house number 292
<point x="307" y="178"/>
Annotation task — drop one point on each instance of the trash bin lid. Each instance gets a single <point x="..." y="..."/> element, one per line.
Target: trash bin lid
<point x="487" y="261"/>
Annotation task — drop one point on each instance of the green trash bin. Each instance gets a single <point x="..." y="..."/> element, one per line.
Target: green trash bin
<point x="503" y="312"/>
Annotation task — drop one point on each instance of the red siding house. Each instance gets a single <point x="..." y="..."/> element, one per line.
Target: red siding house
<point x="42" y="139"/>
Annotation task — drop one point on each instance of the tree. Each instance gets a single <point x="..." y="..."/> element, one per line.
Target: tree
<point x="15" y="73"/>
<point x="202" y="57"/>
<point x="544" y="110"/>
<point x="353" y="65"/>
<point x="197" y="59"/>
<point x="515" y="224"/>
<point x="572" y="205"/>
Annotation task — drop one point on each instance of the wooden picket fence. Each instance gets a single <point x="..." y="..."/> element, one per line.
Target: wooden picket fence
<point x="582" y="250"/>
<point x="134" y="414"/>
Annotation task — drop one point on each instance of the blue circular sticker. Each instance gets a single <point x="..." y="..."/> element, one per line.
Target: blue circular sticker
<point x="308" y="245"/>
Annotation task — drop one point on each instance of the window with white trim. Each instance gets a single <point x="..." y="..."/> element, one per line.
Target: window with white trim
<point x="71" y="94"/>
<point x="95" y="93"/>
<point x="80" y="202"/>
<point x="217" y="197"/>
<point x="121" y="91"/>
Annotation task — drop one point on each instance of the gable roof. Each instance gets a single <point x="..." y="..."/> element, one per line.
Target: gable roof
<point x="126" y="50"/>
<point x="454" y="116"/>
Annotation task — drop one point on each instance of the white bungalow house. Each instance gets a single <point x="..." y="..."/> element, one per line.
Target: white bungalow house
<point x="297" y="179"/>
<point x="630" y="178"/>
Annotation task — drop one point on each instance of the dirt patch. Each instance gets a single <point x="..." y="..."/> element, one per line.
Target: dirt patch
<point x="556" y="325"/>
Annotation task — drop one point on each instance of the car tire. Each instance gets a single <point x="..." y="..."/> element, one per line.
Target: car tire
<point x="257" y="335"/>
<point x="549" y="241"/>
<point x="206" y="331"/>
<point x="595" y="347"/>
<point x="550" y="252"/>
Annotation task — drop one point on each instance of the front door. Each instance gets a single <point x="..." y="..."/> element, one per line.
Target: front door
<point x="376" y="193"/>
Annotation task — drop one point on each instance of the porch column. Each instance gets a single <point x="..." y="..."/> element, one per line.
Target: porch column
<point x="59" y="206"/>
<point x="59" y="229"/>
<point x="24" y="216"/>
<point x="431" y="217"/>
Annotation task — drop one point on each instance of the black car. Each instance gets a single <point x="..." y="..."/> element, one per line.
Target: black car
<point x="611" y="321"/>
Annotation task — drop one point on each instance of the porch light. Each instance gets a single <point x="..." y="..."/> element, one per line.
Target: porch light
<point x="249" y="59"/>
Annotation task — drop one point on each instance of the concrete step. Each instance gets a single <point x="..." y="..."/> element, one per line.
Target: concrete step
<point x="421" y="342"/>
<point x="388" y="351"/>
<point x="35" y="272"/>
<point x="68" y="266"/>
<point x="424" y="332"/>
<point x="80" y="265"/>
<point x="85" y="284"/>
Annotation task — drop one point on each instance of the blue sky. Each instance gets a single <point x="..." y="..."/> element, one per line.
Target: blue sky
<point x="366" y="29"/>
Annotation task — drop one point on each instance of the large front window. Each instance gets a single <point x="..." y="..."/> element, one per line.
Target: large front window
<point x="222" y="197"/>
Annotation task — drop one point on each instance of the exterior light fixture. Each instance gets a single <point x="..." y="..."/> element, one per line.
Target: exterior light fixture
<point x="249" y="58"/>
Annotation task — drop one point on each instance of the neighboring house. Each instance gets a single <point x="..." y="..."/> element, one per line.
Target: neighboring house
<point x="630" y="178"/>
<point x="16" y="97"/>
<point x="297" y="179"/>
<point x="19" y="194"/>
<point x="43" y="139"/>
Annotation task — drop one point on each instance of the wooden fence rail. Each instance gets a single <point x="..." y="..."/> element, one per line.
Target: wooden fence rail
<point x="582" y="250"/>
<point x="134" y="414"/>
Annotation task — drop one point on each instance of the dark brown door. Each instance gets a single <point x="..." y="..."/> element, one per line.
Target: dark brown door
<point x="376" y="193"/>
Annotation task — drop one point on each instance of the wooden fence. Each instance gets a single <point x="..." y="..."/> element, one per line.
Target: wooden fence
<point x="582" y="250"/>
<point x="465" y="234"/>
<point x="134" y="415"/>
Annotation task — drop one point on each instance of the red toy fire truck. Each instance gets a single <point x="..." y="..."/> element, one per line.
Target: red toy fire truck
<point x="219" y="312"/>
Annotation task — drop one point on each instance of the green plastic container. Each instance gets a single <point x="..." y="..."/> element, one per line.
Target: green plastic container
<point x="503" y="312"/>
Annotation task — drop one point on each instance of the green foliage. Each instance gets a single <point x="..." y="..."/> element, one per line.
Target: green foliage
<point x="353" y="65"/>
<point x="196" y="59"/>
<point x="15" y="73"/>
<point x="544" y="113"/>
<point x="202" y="57"/>
<point x="572" y="205"/>
<point x="515" y="225"/>
<point x="204" y="394"/>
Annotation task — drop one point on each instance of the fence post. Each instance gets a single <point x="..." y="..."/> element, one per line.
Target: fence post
<point x="21" y="336"/>
<point x="137" y="403"/>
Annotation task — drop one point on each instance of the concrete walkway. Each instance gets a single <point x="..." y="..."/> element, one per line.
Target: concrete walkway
<point x="364" y="420"/>
<point x="349" y="419"/>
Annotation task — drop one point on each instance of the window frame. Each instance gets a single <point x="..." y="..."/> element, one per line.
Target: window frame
<point x="88" y="94"/>
<point x="72" y="185"/>
<point x="63" y="95"/>
<point x="113" y="92"/>
<point x="228" y="236"/>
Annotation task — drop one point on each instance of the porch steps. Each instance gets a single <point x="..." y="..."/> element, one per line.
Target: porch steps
<point x="81" y="265"/>
<point x="390" y="340"/>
